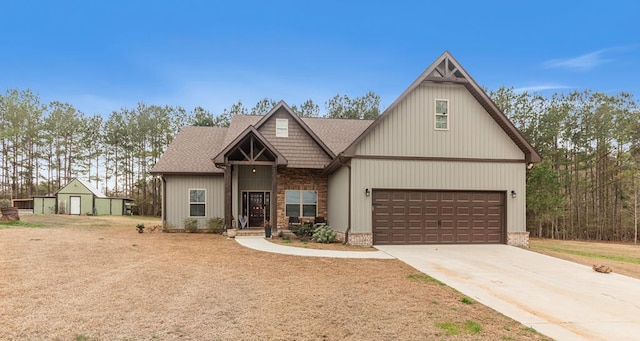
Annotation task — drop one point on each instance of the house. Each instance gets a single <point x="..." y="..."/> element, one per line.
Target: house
<point x="442" y="164"/>
<point x="79" y="197"/>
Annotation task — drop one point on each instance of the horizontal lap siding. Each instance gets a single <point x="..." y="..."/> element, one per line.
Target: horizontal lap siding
<point x="177" y="192"/>
<point x="409" y="129"/>
<point x="424" y="175"/>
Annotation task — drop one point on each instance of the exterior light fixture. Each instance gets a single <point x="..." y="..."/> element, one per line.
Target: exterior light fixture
<point x="513" y="194"/>
<point x="367" y="192"/>
<point x="529" y="165"/>
<point x="253" y="170"/>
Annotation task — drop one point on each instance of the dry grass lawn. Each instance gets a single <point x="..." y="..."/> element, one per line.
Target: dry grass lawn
<point x="96" y="278"/>
<point x="623" y="258"/>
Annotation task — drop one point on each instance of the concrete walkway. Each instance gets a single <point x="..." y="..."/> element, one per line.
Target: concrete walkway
<point x="261" y="244"/>
<point x="561" y="299"/>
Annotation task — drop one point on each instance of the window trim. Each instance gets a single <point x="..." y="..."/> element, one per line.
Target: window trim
<point x="301" y="202"/>
<point x="197" y="202"/>
<point x="437" y="114"/>
<point x="282" y="127"/>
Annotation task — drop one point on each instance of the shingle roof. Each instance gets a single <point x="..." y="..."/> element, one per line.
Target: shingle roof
<point x="336" y="133"/>
<point x="191" y="151"/>
<point x="194" y="148"/>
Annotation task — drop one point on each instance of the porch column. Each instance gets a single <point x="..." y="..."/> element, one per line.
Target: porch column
<point x="227" y="196"/>
<point x="274" y="197"/>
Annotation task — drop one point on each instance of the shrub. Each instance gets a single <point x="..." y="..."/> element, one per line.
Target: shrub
<point x="191" y="225"/>
<point x="215" y="225"/>
<point x="4" y="202"/>
<point x="324" y="234"/>
<point x="303" y="232"/>
<point x="140" y="228"/>
<point x="466" y="300"/>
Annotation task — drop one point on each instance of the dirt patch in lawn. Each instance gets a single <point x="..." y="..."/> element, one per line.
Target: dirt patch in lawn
<point x="623" y="258"/>
<point x="96" y="278"/>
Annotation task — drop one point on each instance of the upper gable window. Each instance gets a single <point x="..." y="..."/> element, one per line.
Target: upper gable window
<point x="282" y="127"/>
<point x="442" y="114"/>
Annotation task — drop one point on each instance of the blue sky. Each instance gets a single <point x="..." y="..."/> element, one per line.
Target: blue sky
<point x="104" y="55"/>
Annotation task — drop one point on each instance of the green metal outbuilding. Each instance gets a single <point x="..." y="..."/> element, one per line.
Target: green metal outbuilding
<point x="79" y="197"/>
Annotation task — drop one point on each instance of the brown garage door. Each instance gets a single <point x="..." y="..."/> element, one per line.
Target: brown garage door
<point x="437" y="217"/>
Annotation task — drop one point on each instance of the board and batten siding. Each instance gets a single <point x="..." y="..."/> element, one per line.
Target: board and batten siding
<point x="409" y="129"/>
<point x="44" y="205"/>
<point x="300" y="150"/>
<point x="436" y="175"/>
<point x="109" y="206"/>
<point x="177" y="198"/>
<point x="338" y="200"/>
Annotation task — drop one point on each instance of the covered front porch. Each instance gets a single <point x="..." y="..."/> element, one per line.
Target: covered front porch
<point x="261" y="191"/>
<point x="250" y="165"/>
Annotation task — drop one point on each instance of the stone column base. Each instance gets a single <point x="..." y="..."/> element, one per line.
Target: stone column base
<point x="357" y="239"/>
<point x="518" y="239"/>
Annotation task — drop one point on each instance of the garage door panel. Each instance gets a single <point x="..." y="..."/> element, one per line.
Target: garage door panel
<point x="463" y="237"/>
<point x="430" y="196"/>
<point x="415" y="224"/>
<point x="431" y="224"/>
<point x="427" y="217"/>
<point x="447" y="238"/>
<point x="399" y="224"/>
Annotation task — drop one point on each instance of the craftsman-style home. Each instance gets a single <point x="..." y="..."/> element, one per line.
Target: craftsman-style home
<point x="442" y="164"/>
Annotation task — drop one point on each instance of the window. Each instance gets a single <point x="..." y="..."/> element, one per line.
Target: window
<point x="301" y="203"/>
<point x="442" y="114"/>
<point x="282" y="127"/>
<point x="197" y="202"/>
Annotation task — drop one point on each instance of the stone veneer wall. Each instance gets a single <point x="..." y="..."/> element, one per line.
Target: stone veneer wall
<point x="518" y="239"/>
<point x="300" y="179"/>
<point x="358" y="239"/>
<point x="366" y="239"/>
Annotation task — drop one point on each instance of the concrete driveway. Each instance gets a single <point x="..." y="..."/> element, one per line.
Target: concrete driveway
<point x="560" y="299"/>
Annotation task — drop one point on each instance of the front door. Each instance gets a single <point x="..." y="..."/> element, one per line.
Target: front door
<point x="256" y="209"/>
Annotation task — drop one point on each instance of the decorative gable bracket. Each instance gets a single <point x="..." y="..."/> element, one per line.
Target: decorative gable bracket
<point x="446" y="71"/>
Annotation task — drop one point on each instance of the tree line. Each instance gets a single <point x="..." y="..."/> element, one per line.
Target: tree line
<point x="44" y="146"/>
<point x="588" y="182"/>
<point x="586" y="187"/>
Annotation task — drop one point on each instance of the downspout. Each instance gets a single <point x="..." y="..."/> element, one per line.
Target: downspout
<point x="346" y="232"/>
<point x="164" y="202"/>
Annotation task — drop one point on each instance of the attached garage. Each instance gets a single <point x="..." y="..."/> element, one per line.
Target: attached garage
<point x="438" y="217"/>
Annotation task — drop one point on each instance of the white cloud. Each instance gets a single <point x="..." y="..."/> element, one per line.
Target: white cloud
<point x="582" y="63"/>
<point x="541" y="87"/>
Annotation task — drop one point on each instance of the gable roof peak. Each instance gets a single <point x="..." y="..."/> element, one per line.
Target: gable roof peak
<point x="446" y="69"/>
<point x="283" y="105"/>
